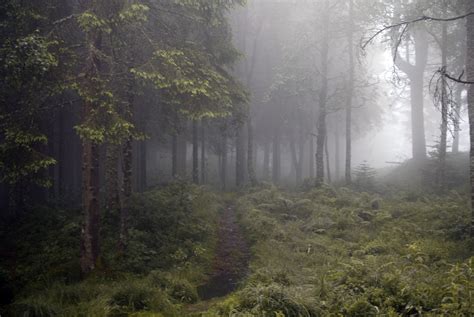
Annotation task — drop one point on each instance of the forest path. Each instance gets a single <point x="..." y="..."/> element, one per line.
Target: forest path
<point x="230" y="262"/>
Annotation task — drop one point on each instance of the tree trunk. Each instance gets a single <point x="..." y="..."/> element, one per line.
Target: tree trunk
<point x="337" y="155"/>
<point x="142" y="150"/>
<point x="321" y="137"/>
<point x="311" y="156"/>
<point x="250" y="153"/>
<point x="90" y="247"/>
<point x="112" y="203"/>
<point x="195" y="152"/>
<point x="203" y="152"/>
<point x="276" y="157"/>
<point x="182" y="154"/>
<point x="457" y="119"/>
<point x="417" y="117"/>
<point x="328" y="167"/>
<point x="470" y="101"/>
<point x="127" y="166"/>
<point x="350" y="91"/>
<point x="266" y="161"/>
<point x="444" y="103"/>
<point x="223" y="171"/>
<point x="294" y="158"/>
<point x="415" y="74"/>
<point x="90" y="202"/>
<point x="174" y="155"/>
<point x="239" y="157"/>
<point x="126" y="192"/>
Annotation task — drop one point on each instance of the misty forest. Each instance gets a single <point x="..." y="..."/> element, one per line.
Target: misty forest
<point x="269" y="158"/>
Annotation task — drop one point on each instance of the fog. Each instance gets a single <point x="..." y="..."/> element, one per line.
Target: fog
<point x="236" y="158"/>
<point x="282" y="43"/>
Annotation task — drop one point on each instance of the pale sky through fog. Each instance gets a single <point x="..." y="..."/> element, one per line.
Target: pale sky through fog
<point x="391" y="140"/>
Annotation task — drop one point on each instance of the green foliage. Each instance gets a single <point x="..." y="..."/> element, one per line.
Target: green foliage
<point x="173" y="230"/>
<point x="364" y="177"/>
<point x="27" y="64"/>
<point x="179" y="289"/>
<point x="187" y="77"/>
<point x="343" y="257"/>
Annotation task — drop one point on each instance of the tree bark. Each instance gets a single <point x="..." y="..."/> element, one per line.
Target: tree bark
<point x="174" y="155"/>
<point x="321" y="136"/>
<point x="195" y="152"/>
<point x="182" y="154"/>
<point x="457" y="119"/>
<point x="223" y="171"/>
<point x="126" y="192"/>
<point x="337" y="155"/>
<point x="250" y="153"/>
<point x="276" y="169"/>
<point x="266" y="161"/>
<point x="127" y="169"/>
<point x="112" y="203"/>
<point x="328" y="167"/>
<point x="470" y="100"/>
<point x="415" y="74"/>
<point x="90" y="247"/>
<point x="311" y="156"/>
<point x="350" y="91"/>
<point x="239" y="157"/>
<point x="203" y="153"/>
<point x="444" y="103"/>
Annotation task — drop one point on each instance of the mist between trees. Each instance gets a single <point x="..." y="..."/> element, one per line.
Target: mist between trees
<point x="104" y="99"/>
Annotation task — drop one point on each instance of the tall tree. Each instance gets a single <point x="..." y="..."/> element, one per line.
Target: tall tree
<point x="323" y="95"/>
<point x="415" y="72"/>
<point x="470" y="98"/>
<point x="349" y="92"/>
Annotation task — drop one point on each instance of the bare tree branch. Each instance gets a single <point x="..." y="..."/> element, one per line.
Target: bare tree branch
<point x="420" y="19"/>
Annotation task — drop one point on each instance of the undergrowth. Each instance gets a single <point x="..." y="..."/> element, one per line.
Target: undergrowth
<point x="335" y="252"/>
<point x="170" y="249"/>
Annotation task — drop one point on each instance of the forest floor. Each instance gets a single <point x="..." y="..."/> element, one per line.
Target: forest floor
<point x="230" y="264"/>
<point x="261" y="252"/>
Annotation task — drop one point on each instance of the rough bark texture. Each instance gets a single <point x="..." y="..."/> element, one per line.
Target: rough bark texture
<point x="90" y="247"/>
<point x="111" y="177"/>
<point x="126" y="192"/>
<point x="127" y="166"/>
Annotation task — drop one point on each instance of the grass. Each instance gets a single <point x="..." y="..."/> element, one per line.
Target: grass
<point x="318" y="252"/>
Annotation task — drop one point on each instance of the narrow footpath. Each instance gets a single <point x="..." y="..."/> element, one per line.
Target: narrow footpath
<point x="231" y="259"/>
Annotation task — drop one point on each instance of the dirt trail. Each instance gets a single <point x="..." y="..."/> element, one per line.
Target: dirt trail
<point x="231" y="259"/>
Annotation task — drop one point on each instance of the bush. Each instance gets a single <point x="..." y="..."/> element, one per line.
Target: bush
<point x="178" y="289"/>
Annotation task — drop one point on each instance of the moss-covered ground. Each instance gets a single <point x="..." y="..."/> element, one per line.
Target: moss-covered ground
<point x="316" y="252"/>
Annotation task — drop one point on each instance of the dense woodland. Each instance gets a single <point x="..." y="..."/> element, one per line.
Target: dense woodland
<point x="237" y="158"/>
